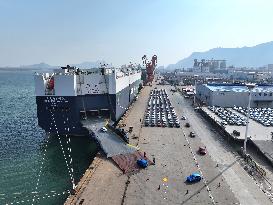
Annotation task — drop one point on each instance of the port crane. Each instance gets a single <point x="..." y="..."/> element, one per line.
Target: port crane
<point x="150" y="67"/>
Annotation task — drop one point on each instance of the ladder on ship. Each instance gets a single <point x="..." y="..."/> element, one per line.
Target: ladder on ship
<point x="103" y="67"/>
<point x="81" y="81"/>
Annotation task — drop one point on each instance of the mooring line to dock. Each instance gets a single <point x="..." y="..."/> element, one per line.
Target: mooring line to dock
<point x="41" y="167"/>
<point x="69" y="155"/>
<point x="70" y="169"/>
<point x="36" y="197"/>
<point x="68" y="142"/>
<point x="199" y="169"/>
<point x="72" y="199"/>
<point x="122" y="107"/>
<point x="44" y="196"/>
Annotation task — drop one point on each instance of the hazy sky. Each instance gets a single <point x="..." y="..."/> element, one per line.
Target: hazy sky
<point x="60" y="32"/>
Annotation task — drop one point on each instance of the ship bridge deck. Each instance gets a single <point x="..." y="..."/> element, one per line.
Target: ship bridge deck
<point x="110" y="142"/>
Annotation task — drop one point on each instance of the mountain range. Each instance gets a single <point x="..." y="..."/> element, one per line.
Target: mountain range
<point x="256" y="56"/>
<point x="44" y="66"/>
<point x="41" y="66"/>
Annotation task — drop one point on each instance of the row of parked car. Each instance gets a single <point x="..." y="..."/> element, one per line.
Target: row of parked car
<point x="263" y="116"/>
<point x="228" y="117"/>
<point x="160" y="112"/>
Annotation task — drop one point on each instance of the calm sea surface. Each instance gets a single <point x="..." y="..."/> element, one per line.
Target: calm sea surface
<point x="27" y="154"/>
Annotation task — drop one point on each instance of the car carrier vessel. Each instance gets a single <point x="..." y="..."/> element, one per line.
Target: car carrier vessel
<point x="68" y="95"/>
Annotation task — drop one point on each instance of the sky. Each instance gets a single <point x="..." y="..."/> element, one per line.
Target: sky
<point x="60" y="32"/>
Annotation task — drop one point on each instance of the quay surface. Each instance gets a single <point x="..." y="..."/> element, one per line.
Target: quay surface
<point x="224" y="179"/>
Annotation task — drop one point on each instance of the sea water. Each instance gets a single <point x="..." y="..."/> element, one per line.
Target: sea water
<point x="32" y="164"/>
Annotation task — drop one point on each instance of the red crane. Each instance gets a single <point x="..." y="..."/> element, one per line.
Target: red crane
<point x="150" y="67"/>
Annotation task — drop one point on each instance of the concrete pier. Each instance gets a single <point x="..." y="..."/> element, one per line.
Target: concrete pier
<point x="224" y="181"/>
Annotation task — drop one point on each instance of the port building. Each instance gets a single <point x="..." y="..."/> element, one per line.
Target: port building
<point x="228" y="95"/>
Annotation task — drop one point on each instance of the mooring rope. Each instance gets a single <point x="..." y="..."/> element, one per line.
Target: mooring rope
<point x="70" y="169"/>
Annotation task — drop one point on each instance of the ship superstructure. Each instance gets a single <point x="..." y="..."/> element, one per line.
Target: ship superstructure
<point x="69" y="94"/>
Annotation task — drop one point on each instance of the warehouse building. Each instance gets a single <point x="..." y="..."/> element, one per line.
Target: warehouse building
<point x="228" y="95"/>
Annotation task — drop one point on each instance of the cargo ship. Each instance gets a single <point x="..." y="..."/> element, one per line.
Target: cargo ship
<point x="69" y="95"/>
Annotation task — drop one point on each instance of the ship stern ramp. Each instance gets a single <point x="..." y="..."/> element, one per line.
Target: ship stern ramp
<point x="110" y="142"/>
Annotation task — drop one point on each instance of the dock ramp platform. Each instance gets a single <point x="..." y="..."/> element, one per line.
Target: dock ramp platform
<point x="109" y="141"/>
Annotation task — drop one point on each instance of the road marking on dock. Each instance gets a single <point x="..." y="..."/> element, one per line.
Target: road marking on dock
<point x="199" y="169"/>
<point x="130" y="145"/>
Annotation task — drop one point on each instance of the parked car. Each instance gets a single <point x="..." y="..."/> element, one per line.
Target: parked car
<point x="187" y="124"/>
<point x="103" y="129"/>
<point x="192" y="134"/>
<point x="183" y="118"/>
<point x="124" y="135"/>
<point x="194" y="177"/>
<point x="202" y="150"/>
<point x="236" y="133"/>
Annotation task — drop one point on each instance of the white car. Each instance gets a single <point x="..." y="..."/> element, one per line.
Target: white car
<point x="103" y="129"/>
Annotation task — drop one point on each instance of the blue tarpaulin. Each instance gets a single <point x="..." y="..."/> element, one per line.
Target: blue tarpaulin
<point x="142" y="163"/>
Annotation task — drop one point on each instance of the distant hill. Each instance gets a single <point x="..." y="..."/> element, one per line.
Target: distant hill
<point x="47" y="67"/>
<point x="160" y="68"/>
<point x="86" y="64"/>
<point x="41" y="66"/>
<point x="35" y="67"/>
<point x="255" y="56"/>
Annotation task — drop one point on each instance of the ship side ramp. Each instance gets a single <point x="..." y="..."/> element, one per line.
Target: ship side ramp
<point x="109" y="141"/>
